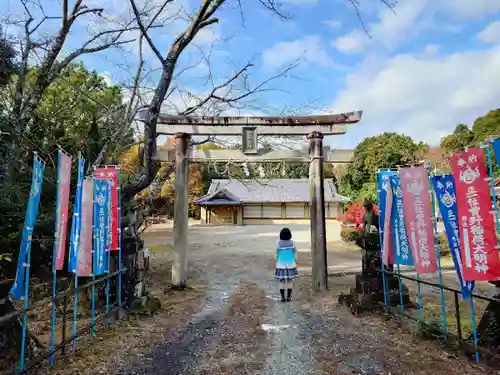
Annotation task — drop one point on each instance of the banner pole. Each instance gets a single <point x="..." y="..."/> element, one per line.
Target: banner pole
<point x="38" y="167"/>
<point x="94" y="261"/>
<point x="54" y="266"/>
<point x="400" y="285"/>
<point x="81" y="164"/>
<point x="120" y="243"/>
<point x="438" y="252"/>
<point x="474" y="329"/>
<point x="492" y="185"/>
<point x="26" y="302"/>
<point x="108" y="246"/>
<point x="381" y="239"/>
<point x="107" y="287"/>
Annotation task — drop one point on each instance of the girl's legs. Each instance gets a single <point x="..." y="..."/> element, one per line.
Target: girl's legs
<point x="282" y="290"/>
<point x="289" y="285"/>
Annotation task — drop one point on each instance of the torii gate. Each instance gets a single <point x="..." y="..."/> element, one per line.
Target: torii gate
<point x="249" y="128"/>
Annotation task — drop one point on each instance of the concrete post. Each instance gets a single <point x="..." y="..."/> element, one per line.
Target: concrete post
<point x="317" y="213"/>
<point x="181" y="203"/>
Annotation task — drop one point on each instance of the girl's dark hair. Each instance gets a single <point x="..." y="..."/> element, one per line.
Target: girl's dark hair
<point x="285" y="234"/>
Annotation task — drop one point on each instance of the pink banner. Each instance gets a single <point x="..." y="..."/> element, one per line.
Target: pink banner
<point x="387" y="245"/>
<point x="85" y="250"/>
<point x="478" y="237"/>
<point x="111" y="174"/>
<point x="418" y="217"/>
<point x="63" y="187"/>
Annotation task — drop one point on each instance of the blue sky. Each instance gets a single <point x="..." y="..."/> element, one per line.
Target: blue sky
<point x="420" y="70"/>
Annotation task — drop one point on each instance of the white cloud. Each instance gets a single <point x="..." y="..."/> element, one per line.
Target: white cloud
<point x="208" y="35"/>
<point x="490" y="34"/>
<point x="389" y="31"/>
<point x="431" y="50"/>
<point x="421" y="97"/>
<point x="107" y="78"/>
<point x="354" y="42"/>
<point x="409" y="20"/>
<point x="472" y="9"/>
<point x="334" y="24"/>
<point x="309" y="48"/>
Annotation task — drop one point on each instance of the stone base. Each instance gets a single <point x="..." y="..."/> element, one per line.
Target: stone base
<point x="145" y="305"/>
<point x="488" y="329"/>
<point x="369" y="293"/>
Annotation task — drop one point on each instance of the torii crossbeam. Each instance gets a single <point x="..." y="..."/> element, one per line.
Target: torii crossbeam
<point x="333" y="124"/>
<point x="249" y="128"/>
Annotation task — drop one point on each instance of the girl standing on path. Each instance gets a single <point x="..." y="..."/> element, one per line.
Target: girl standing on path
<point x="286" y="268"/>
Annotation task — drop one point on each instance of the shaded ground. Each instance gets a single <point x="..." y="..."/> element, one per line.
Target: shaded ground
<point x="244" y="329"/>
<point x="133" y="337"/>
<point x="239" y="326"/>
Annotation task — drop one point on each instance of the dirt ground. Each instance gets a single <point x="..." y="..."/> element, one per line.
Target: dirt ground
<point x="232" y="322"/>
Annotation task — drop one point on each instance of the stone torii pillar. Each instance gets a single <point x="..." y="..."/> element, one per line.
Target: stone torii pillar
<point x="317" y="212"/>
<point x="249" y="128"/>
<point x="181" y="211"/>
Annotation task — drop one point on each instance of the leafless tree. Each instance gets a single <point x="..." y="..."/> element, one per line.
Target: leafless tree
<point x="42" y="38"/>
<point x="221" y="96"/>
<point x="41" y="33"/>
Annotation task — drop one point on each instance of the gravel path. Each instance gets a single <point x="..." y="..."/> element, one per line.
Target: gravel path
<point x="244" y="329"/>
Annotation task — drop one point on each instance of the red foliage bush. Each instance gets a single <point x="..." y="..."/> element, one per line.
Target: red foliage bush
<point x="353" y="218"/>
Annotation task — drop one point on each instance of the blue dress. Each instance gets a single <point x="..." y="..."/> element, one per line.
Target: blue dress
<point x="286" y="268"/>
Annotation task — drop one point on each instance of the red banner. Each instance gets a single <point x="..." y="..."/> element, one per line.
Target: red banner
<point x="418" y="217"/>
<point x="63" y="186"/>
<point x="387" y="245"/>
<point x="85" y="250"/>
<point x="478" y="238"/>
<point x="111" y="174"/>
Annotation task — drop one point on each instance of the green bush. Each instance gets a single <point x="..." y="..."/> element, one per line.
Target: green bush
<point x="348" y="234"/>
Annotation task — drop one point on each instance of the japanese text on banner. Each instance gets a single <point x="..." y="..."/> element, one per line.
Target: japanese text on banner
<point x="18" y="288"/>
<point x="418" y="217"/>
<point x="478" y="238"/>
<point x="101" y="216"/>
<point x="383" y="178"/>
<point x="85" y="251"/>
<point x="402" y="248"/>
<point x="111" y="174"/>
<point x="444" y="186"/>
<point x="74" y="245"/>
<point x="387" y="246"/>
<point x="63" y="188"/>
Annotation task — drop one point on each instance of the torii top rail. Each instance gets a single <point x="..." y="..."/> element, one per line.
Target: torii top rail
<point x="334" y="124"/>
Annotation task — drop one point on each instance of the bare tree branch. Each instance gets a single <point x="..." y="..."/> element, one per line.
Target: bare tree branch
<point x="169" y="63"/>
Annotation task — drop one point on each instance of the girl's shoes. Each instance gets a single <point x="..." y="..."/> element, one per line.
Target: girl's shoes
<point x="283" y="299"/>
<point x="289" y="299"/>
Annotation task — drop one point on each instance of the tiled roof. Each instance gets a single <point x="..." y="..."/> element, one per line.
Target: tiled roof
<point x="273" y="190"/>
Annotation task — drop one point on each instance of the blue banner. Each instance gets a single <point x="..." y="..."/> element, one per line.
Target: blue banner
<point x="17" y="290"/>
<point x="496" y="149"/>
<point x="77" y="220"/>
<point x="402" y="250"/>
<point x="444" y="186"/>
<point x="383" y="184"/>
<point x="102" y="196"/>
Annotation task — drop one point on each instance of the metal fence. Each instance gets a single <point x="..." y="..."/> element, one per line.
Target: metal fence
<point x="33" y="338"/>
<point x="441" y="313"/>
<point x="441" y="309"/>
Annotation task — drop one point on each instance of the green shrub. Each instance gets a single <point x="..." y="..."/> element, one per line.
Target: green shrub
<point x="349" y="234"/>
